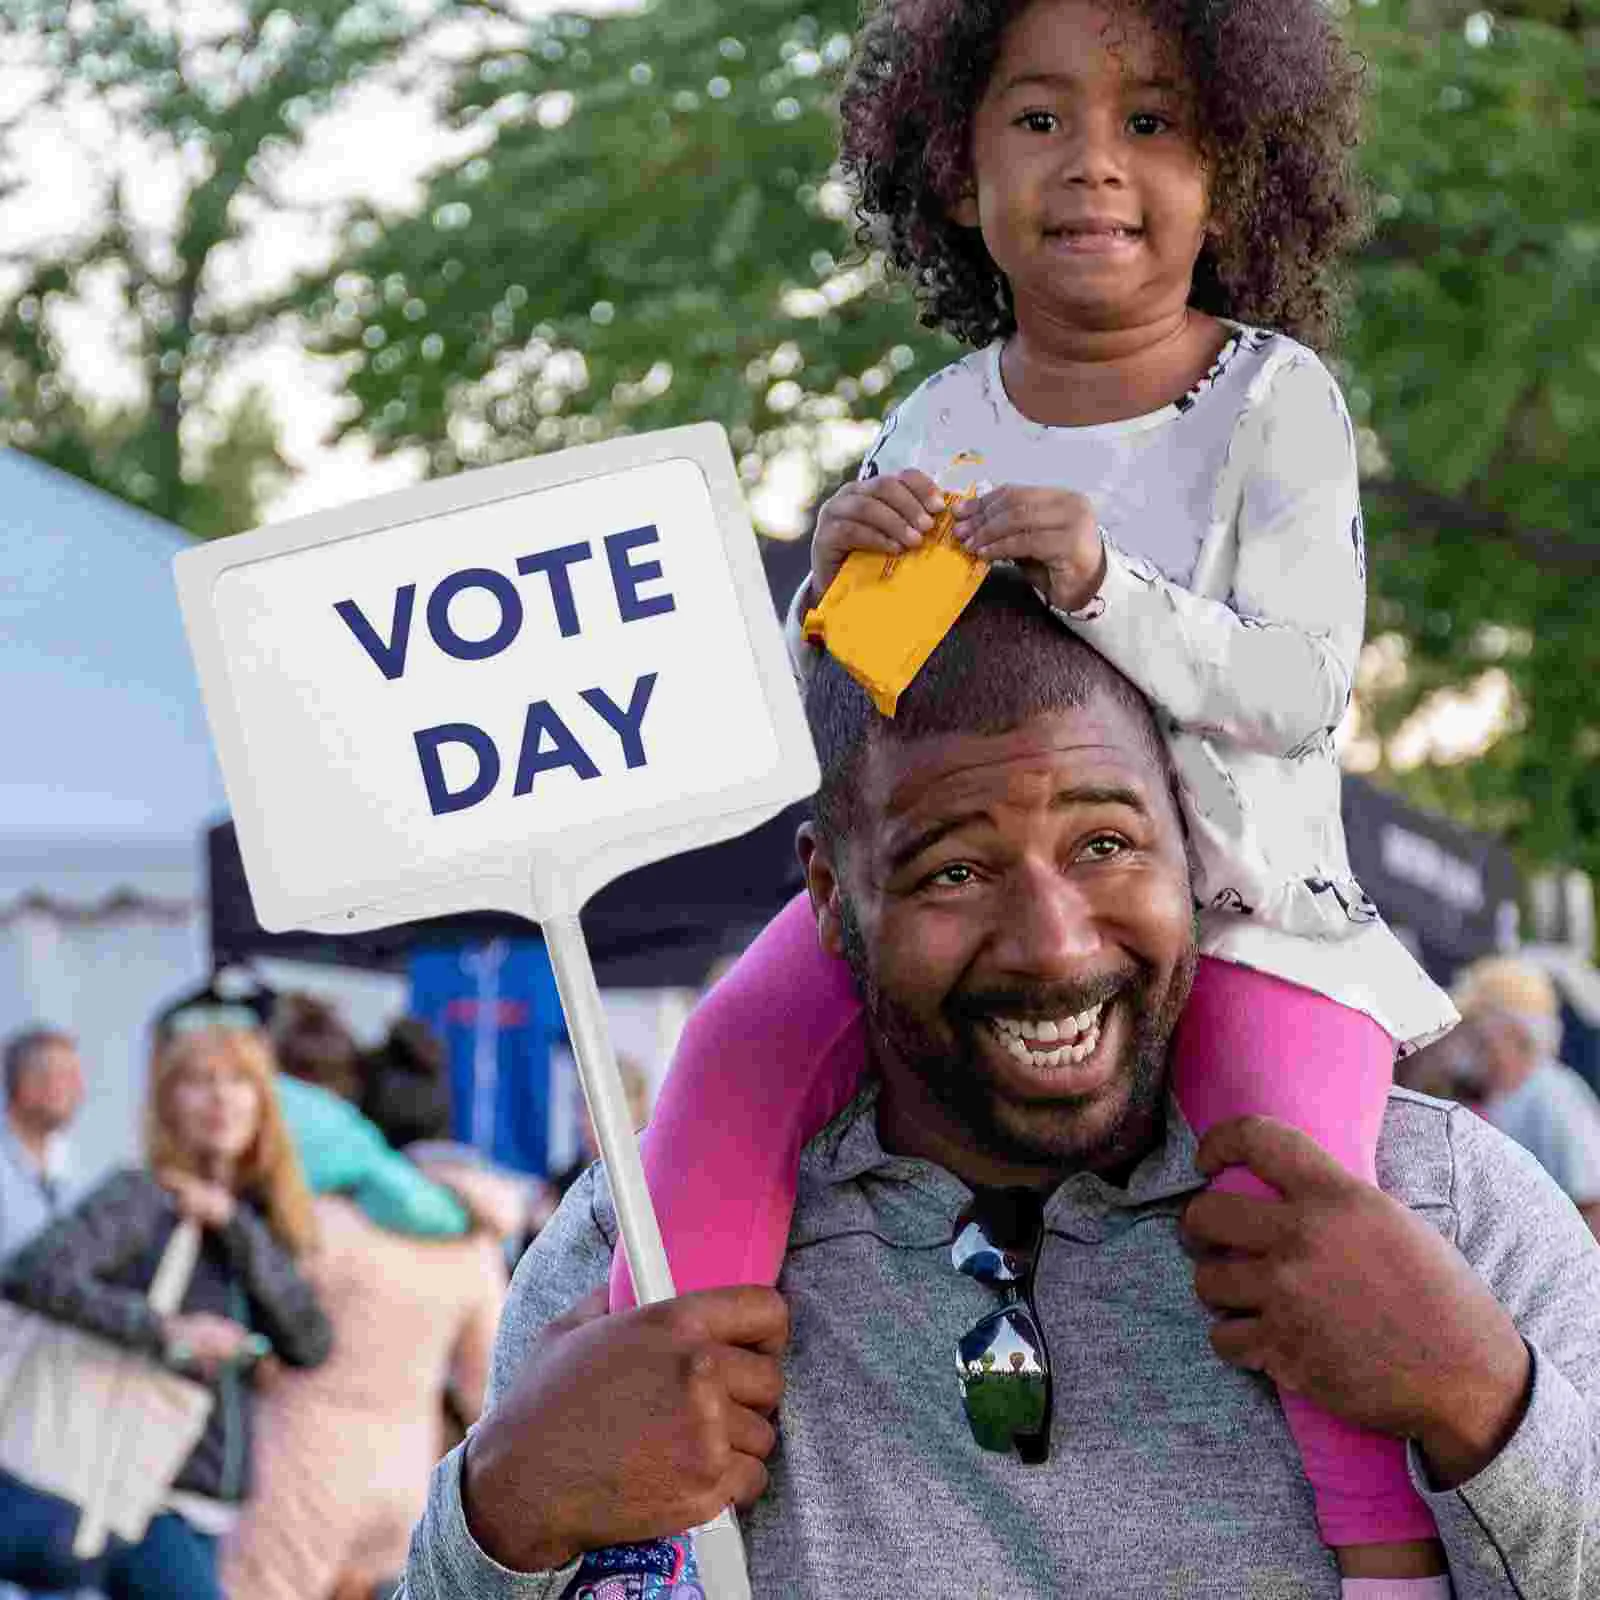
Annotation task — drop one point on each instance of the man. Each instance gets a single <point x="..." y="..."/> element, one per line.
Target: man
<point x="1006" y="849"/>
<point x="44" y="1092"/>
<point x="1514" y="1015"/>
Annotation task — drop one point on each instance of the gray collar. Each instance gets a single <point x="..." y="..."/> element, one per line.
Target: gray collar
<point x="848" y="1153"/>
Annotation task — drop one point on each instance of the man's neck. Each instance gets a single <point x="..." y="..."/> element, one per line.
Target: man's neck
<point x="34" y="1139"/>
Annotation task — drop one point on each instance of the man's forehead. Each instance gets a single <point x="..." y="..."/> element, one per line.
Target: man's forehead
<point x="1086" y="745"/>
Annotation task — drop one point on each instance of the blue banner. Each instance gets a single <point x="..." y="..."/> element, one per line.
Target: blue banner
<point x="496" y="1007"/>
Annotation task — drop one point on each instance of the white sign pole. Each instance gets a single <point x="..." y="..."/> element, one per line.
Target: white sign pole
<point x="719" y="1549"/>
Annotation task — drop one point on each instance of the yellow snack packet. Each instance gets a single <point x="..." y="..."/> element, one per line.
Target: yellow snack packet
<point x="883" y="616"/>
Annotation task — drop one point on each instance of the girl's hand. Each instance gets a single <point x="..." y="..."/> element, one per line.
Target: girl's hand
<point x="200" y="1201"/>
<point x="890" y="514"/>
<point x="1051" y="534"/>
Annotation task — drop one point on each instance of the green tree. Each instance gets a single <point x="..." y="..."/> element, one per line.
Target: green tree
<point x="650" y="234"/>
<point x="1474" y="357"/>
<point x="222" y="94"/>
<point x="650" y="237"/>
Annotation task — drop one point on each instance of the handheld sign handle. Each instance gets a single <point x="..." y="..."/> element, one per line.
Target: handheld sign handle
<point x="719" y="1549"/>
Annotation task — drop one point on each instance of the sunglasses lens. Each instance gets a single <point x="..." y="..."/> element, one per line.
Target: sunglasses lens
<point x="978" y="1256"/>
<point x="1005" y="1381"/>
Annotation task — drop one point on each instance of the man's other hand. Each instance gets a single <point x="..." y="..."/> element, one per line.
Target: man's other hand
<point x="1343" y="1295"/>
<point x="630" y="1427"/>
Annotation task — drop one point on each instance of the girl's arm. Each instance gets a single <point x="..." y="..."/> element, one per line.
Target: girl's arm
<point x="1272" y="669"/>
<point x="282" y="1304"/>
<point x="59" y="1274"/>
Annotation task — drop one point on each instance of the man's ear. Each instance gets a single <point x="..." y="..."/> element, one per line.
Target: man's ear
<point x="822" y="885"/>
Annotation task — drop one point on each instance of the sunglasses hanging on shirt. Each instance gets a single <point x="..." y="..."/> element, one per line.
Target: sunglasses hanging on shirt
<point x="1002" y="1364"/>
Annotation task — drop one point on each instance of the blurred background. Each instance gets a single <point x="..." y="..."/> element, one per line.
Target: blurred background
<point x="257" y="260"/>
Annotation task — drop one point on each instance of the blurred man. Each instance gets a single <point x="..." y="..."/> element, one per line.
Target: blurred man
<point x="44" y="1092"/>
<point x="1515" y="1016"/>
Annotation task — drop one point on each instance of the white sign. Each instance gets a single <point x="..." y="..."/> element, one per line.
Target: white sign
<point x="497" y="691"/>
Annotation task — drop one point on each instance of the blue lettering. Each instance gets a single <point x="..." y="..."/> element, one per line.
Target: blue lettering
<point x="565" y="751"/>
<point x="553" y="564"/>
<point x="388" y="655"/>
<point x="625" y="724"/>
<point x="626" y="576"/>
<point x="440" y="799"/>
<point x="448" y="639"/>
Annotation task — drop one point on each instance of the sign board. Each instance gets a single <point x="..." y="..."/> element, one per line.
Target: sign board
<point x="497" y="691"/>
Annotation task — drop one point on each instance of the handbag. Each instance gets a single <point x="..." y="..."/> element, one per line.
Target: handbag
<point x="103" y="1427"/>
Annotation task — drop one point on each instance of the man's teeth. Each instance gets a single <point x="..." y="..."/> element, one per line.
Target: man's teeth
<point x="1063" y="1039"/>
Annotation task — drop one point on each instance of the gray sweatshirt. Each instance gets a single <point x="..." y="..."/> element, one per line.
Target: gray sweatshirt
<point x="1171" y="1475"/>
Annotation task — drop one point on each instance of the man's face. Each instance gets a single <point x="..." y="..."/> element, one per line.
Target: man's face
<point x="1017" y="912"/>
<point x="50" y="1087"/>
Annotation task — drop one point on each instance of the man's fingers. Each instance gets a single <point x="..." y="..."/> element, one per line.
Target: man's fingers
<point x="1238" y="1341"/>
<point x="748" y="1315"/>
<point x="751" y="1379"/>
<point x="1231" y="1285"/>
<point x="750" y="1433"/>
<point x="1291" y="1161"/>
<point x="746" y="1482"/>
<point x="1218" y="1221"/>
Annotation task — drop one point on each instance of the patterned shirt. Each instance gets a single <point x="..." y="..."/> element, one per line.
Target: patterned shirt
<point x="1234" y="598"/>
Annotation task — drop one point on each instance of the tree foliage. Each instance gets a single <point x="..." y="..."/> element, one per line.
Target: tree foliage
<point x="219" y="97"/>
<point x="649" y="233"/>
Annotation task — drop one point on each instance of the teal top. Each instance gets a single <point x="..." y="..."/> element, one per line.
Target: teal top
<point x="343" y="1153"/>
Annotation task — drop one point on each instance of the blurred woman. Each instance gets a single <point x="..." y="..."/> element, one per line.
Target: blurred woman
<point x="345" y="1452"/>
<point x="220" y="1156"/>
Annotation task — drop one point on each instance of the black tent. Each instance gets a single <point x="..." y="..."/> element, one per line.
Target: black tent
<point x="1452" y="892"/>
<point x="663" y="925"/>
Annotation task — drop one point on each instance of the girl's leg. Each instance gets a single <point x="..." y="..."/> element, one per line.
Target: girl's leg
<point x="1249" y="1043"/>
<point x="766" y="1061"/>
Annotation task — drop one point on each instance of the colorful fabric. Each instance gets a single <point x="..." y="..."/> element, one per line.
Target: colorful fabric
<point x="664" y="1569"/>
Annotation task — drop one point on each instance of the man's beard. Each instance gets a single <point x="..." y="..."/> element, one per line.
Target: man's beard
<point x="1069" y="1134"/>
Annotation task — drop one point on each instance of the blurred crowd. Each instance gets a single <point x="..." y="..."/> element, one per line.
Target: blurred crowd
<point x="339" y="1307"/>
<point x="351" y="1266"/>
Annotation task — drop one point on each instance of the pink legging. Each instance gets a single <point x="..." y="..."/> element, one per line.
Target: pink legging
<point x="776" y="1050"/>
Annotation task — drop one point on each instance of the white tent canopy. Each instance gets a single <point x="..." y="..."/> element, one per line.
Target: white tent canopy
<point x="107" y="784"/>
<point x="107" y="778"/>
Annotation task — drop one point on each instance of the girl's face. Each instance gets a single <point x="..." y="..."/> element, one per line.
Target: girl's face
<point x="214" y="1107"/>
<point x="1087" y="179"/>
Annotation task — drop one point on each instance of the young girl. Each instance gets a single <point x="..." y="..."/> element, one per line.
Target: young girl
<point x="1110" y="206"/>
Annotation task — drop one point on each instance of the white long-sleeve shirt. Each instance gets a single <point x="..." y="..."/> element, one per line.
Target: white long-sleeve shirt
<point x="1235" y="598"/>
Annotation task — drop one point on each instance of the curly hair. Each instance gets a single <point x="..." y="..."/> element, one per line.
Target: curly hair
<point x="1278" y="101"/>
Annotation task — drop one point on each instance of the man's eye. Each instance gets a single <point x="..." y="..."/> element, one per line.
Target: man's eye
<point x="1037" y="121"/>
<point x="1148" y="123"/>
<point x="1105" y="846"/>
<point x="956" y="876"/>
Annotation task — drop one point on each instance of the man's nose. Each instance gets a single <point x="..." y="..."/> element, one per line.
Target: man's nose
<point x="1049" y="927"/>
